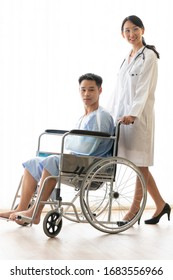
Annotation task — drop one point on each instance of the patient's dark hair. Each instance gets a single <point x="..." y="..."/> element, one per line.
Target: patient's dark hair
<point x="138" y="22"/>
<point x="91" y="77"/>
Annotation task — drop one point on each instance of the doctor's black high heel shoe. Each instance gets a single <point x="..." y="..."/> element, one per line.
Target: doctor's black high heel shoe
<point x="122" y="223"/>
<point x="166" y="210"/>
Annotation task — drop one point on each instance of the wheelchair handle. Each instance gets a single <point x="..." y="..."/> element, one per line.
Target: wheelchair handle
<point x="117" y="132"/>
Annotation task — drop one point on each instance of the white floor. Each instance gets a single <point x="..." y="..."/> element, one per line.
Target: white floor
<point x="78" y="241"/>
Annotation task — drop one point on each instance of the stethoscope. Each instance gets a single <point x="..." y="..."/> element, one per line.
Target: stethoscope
<point x="131" y="66"/>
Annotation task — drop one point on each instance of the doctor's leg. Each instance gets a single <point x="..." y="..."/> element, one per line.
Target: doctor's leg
<point x="137" y="197"/>
<point x="153" y="191"/>
<point x="155" y="194"/>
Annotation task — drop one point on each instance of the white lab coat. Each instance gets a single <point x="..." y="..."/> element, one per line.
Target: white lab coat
<point x="134" y="95"/>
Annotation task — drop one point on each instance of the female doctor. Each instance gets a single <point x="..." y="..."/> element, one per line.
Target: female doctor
<point x="134" y="107"/>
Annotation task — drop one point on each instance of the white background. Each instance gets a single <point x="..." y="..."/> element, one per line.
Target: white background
<point x="45" y="46"/>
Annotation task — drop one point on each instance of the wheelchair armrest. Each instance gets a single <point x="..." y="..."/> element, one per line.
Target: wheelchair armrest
<point x="89" y="133"/>
<point x="56" y="131"/>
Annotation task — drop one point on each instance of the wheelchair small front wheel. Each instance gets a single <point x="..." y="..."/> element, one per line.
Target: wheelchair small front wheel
<point x="52" y="223"/>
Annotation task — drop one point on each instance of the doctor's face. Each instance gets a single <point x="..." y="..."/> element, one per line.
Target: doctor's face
<point x="132" y="33"/>
<point x="90" y="93"/>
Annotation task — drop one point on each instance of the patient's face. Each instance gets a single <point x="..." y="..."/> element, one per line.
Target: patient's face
<point x="90" y="93"/>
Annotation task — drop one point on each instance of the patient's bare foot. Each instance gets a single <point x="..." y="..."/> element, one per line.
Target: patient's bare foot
<point x="7" y="214"/>
<point x="28" y="213"/>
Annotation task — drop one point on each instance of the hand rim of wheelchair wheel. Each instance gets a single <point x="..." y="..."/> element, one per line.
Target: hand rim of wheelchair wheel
<point x="110" y="227"/>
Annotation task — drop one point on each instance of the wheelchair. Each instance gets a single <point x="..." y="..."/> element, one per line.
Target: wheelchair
<point x="104" y="188"/>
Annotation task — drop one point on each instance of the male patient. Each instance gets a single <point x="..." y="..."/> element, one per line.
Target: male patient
<point x="36" y="170"/>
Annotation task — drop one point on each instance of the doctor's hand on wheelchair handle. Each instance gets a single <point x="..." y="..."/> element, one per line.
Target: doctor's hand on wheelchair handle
<point x="127" y="120"/>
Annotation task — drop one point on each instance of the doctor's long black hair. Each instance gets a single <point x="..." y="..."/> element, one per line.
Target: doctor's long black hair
<point x="138" y="22"/>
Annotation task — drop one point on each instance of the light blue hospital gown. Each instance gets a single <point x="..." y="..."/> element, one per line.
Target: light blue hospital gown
<point x="99" y="120"/>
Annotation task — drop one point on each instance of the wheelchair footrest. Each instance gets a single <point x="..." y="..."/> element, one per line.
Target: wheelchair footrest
<point x="24" y="219"/>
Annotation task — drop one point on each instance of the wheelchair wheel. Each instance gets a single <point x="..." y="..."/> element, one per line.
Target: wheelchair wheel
<point x="107" y="194"/>
<point x="52" y="223"/>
